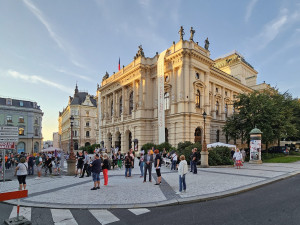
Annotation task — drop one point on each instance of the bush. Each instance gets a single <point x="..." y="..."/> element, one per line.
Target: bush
<point x="181" y="147"/>
<point x="188" y="151"/>
<point x="220" y="156"/>
<point x="90" y="149"/>
<point x="148" y="146"/>
<point x="165" y="146"/>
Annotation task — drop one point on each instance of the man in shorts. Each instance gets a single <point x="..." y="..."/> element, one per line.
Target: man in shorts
<point x="80" y="162"/>
<point x="39" y="164"/>
<point x="96" y="169"/>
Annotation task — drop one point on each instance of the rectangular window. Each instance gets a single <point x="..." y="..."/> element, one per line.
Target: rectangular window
<point x="8" y="101"/>
<point x="21" y="103"/>
<point x="36" y="132"/>
<point x="21" y="119"/>
<point x="8" y="119"/>
<point x="36" y="121"/>
<point x="21" y="131"/>
<point x="87" y="124"/>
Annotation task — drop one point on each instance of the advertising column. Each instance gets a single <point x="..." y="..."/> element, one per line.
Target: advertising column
<point x="255" y="146"/>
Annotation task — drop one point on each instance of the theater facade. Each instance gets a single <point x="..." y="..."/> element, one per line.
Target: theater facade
<point x="162" y="98"/>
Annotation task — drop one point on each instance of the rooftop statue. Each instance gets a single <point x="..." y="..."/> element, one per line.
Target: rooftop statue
<point x="181" y="33"/>
<point x="140" y="52"/>
<point x="192" y="34"/>
<point x="206" y="46"/>
<point x="105" y="76"/>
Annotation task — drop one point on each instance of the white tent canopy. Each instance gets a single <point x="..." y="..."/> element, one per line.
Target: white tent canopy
<point x="51" y="149"/>
<point x="213" y="145"/>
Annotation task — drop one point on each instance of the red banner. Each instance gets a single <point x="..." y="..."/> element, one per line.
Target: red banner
<point x="7" y="145"/>
<point x="13" y="195"/>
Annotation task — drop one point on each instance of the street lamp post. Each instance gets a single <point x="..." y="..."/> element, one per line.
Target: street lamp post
<point x="204" y="152"/>
<point x="72" y="160"/>
<point x="32" y="145"/>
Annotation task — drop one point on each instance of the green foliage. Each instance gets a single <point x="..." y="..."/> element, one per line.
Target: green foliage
<point x="90" y="149"/>
<point x="148" y="146"/>
<point x="181" y="147"/>
<point x="268" y="156"/>
<point x="284" y="159"/>
<point x="165" y="146"/>
<point x="188" y="150"/>
<point x="220" y="156"/>
<point x="273" y="113"/>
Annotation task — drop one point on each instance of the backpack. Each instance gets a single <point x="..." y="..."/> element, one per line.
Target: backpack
<point x="127" y="161"/>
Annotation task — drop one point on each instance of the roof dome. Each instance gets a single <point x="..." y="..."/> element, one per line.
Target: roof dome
<point x="256" y="131"/>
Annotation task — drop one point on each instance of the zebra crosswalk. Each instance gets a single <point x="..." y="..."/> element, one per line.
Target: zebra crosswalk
<point x="66" y="216"/>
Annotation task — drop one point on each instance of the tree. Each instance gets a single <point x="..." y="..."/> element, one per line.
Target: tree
<point x="270" y="111"/>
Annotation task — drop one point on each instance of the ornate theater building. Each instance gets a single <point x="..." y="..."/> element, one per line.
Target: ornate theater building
<point x="162" y="98"/>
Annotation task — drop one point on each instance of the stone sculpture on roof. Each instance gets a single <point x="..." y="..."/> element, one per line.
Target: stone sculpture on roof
<point x="192" y="34"/>
<point x="105" y="76"/>
<point x="140" y="52"/>
<point x="206" y="46"/>
<point x="181" y="33"/>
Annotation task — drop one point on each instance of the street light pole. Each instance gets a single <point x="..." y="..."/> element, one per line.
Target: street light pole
<point x="204" y="152"/>
<point x="72" y="160"/>
<point x="32" y="145"/>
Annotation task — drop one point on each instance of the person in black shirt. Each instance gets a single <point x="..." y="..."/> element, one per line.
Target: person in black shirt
<point x="157" y="165"/>
<point x="48" y="165"/>
<point x="105" y="168"/>
<point x="80" y="162"/>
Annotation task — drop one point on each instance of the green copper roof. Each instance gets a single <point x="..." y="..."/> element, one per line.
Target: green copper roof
<point x="256" y="131"/>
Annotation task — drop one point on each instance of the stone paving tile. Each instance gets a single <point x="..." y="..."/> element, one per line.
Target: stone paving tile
<point x="206" y="183"/>
<point x="120" y="190"/>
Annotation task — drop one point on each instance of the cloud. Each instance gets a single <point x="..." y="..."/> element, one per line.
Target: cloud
<point x="249" y="9"/>
<point x="38" y="80"/>
<point x="75" y="75"/>
<point x="61" y="43"/>
<point x="272" y="29"/>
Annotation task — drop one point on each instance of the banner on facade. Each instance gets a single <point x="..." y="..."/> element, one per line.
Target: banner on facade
<point x="7" y="145"/>
<point x="160" y="97"/>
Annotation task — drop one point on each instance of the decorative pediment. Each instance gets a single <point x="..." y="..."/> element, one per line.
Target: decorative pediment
<point x="199" y="84"/>
<point x="87" y="101"/>
<point x="218" y="96"/>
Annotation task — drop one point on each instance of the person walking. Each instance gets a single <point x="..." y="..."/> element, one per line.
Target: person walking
<point x="80" y="162"/>
<point x="191" y="160"/>
<point x="237" y="156"/>
<point x="38" y="163"/>
<point x="128" y="164"/>
<point x="148" y="160"/>
<point x="48" y="165"/>
<point x="105" y="168"/>
<point x="243" y="155"/>
<point x="86" y="163"/>
<point x="157" y="165"/>
<point x="174" y="161"/>
<point x="30" y="164"/>
<point x="141" y="163"/>
<point x="21" y="172"/>
<point x="194" y="159"/>
<point x="182" y="171"/>
<point x="120" y="158"/>
<point x="96" y="170"/>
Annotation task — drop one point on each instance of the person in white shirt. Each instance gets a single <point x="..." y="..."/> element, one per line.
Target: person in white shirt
<point x="174" y="161"/>
<point x="237" y="156"/>
<point x="21" y="172"/>
<point x="182" y="171"/>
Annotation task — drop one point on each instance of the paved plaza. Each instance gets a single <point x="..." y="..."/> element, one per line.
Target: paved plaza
<point x="68" y="192"/>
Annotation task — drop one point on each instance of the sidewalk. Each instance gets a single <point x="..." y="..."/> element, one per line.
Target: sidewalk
<point x="121" y="192"/>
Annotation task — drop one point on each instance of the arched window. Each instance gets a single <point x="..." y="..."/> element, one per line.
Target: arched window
<point x="130" y="103"/>
<point x="112" y="108"/>
<point x="198" y="135"/>
<point x="87" y="134"/>
<point x="121" y="106"/>
<point x="167" y="100"/>
<point x="198" y="96"/>
<point x="75" y="145"/>
<point x="226" y="110"/>
<point x="218" y="136"/>
<point x="217" y="108"/>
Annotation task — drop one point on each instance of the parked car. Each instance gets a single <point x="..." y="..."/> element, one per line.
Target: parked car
<point x="279" y="149"/>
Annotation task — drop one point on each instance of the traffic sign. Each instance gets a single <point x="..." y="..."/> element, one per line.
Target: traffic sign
<point x="7" y="145"/>
<point x="9" y="139"/>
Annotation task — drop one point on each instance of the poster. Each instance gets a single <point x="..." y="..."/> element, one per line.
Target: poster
<point x="255" y="149"/>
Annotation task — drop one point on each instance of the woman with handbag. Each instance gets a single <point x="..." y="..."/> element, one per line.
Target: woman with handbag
<point x="21" y="172"/>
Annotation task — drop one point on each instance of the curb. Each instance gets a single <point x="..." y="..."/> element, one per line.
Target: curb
<point x="175" y="201"/>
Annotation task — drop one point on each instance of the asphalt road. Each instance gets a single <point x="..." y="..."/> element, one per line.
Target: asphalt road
<point x="274" y="204"/>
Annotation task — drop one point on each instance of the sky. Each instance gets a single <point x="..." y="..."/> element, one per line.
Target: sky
<point x="48" y="46"/>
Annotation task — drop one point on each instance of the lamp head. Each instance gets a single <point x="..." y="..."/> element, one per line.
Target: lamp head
<point x="204" y="115"/>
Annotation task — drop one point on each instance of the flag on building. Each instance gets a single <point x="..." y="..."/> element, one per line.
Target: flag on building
<point x="119" y="64"/>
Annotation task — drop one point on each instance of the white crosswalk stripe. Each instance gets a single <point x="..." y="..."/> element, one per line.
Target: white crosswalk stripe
<point x="139" y="211"/>
<point x="104" y="216"/>
<point x="63" y="217"/>
<point x="24" y="211"/>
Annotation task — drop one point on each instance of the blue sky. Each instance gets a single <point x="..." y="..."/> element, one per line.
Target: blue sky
<point x="46" y="46"/>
